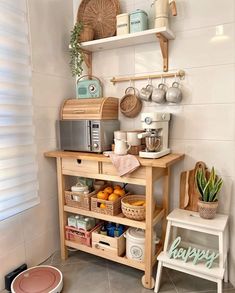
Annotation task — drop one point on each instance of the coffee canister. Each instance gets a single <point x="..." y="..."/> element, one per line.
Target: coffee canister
<point x="135" y="244"/>
<point x="123" y="26"/>
<point x="138" y="21"/>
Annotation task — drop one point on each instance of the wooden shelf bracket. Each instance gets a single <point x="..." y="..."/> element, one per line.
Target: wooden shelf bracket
<point x="164" y="48"/>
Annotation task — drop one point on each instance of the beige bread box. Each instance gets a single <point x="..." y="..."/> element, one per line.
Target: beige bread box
<point x="101" y="109"/>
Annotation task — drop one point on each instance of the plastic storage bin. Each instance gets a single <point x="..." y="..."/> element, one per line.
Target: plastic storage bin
<point x="138" y="21"/>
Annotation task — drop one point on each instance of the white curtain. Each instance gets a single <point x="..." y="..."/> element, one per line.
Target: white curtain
<point x="18" y="167"/>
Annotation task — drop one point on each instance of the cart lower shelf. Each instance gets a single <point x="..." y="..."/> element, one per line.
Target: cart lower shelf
<point x="119" y="259"/>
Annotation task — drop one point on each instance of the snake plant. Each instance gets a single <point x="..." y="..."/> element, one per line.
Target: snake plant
<point x="208" y="187"/>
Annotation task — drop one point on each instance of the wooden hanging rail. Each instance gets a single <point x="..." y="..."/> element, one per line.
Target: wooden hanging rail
<point x="180" y="74"/>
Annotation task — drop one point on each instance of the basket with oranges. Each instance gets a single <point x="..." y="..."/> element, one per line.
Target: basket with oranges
<point x="108" y="200"/>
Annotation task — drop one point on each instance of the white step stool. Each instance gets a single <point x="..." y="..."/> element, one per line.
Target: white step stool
<point x="191" y="221"/>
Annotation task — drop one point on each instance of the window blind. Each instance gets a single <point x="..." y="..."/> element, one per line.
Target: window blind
<point x="18" y="167"/>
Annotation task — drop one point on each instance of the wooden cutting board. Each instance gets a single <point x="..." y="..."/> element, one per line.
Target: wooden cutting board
<point x="188" y="190"/>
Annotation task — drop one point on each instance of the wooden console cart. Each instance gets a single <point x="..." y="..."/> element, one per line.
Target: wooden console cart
<point x="98" y="166"/>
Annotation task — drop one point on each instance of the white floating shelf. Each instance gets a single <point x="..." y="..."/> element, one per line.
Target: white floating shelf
<point x="132" y="39"/>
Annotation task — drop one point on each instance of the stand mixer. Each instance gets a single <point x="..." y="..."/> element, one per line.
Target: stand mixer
<point x="156" y="127"/>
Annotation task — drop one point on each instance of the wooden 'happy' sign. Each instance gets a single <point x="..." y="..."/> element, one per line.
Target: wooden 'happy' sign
<point x="191" y="253"/>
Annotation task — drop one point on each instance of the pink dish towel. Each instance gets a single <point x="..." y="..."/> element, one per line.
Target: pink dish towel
<point x="124" y="164"/>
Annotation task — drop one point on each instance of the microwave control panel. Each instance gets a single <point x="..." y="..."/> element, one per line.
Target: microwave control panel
<point x="95" y="135"/>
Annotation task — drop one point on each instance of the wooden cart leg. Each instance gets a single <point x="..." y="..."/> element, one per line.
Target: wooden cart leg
<point x="165" y="201"/>
<point x="62" y="214"/>
<point x="147" y="279"/>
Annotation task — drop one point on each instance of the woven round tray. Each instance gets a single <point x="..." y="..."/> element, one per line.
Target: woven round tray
<point x="100" y="15"/>
<point x="133" y="212"/>
<point x="130" y="104"/>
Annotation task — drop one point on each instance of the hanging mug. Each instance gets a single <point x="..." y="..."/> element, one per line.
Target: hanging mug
<point x="121" y="147"/>
<point x="146" y="92"/>
<point x="174" y="93"/>
<point x="159" y="94"/>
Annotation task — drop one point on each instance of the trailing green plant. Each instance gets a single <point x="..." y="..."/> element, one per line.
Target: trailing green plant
<point x="75" y="50"/>
<point x="208" y="186"/>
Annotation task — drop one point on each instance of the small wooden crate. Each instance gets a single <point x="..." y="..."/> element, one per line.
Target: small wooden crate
<point x="84" y="203"/>
<point x="79" y="235"/>
<point x="114" y="245"/>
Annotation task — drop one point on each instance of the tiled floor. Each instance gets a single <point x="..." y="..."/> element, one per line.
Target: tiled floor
<point x="84" y="273"/>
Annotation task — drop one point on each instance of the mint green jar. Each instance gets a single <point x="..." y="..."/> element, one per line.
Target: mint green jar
<point x="138" y="21"/>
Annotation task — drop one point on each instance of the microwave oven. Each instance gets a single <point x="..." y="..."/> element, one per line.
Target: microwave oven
<point x="87" y="135"/>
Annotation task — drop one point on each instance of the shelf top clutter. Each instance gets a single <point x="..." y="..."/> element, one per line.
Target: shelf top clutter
<point x="132" y="39"/>
<point x="162" y="162"/>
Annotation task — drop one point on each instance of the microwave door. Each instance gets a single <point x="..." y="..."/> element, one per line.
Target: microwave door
<point x="82" y="135"/>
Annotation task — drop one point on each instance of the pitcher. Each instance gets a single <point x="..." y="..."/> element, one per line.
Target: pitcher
<point x="121" y="147"/>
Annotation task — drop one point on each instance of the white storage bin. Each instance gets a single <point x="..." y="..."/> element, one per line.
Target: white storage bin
<point x="123" y="26"/>
<point x="135" y="244"/>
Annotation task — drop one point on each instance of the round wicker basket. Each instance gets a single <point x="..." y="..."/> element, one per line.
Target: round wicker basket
<point x="131" y="211"/>
<point x="130" y="104"/>
<point x="100" y="15"/>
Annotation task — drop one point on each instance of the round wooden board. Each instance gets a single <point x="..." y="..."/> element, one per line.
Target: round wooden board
<point x="100" y="15"/>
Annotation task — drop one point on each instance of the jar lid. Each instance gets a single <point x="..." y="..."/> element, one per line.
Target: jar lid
<point x="137" y="11"/>
<point x="123" y="14"/>
<point x="136" y="234"/>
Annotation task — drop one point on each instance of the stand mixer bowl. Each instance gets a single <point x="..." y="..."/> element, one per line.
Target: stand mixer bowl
<point x="153" y="143"/>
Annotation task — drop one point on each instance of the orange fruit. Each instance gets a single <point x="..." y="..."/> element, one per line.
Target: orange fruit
<point x="102" y="206"/>
<point x="108" y="189"/>
<point x="113" y="196"/>
<point x="117" y="187"/>
<point x="120" y="192"/>
<point x="102" y="195"/>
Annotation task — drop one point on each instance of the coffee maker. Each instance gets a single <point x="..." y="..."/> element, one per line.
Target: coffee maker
<point x="156" y="126"/>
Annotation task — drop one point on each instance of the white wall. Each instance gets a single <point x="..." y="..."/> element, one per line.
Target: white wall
<point x="33" y="235"/>
<point x="203" y="124"/>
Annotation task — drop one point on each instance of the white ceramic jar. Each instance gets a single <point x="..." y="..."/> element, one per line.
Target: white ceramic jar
<point x="135" y="244"/>
<point x="123" y="26"/>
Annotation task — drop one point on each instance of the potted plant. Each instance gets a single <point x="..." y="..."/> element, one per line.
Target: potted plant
<point x="80" y="33"/>
<point x="209" y="185"/>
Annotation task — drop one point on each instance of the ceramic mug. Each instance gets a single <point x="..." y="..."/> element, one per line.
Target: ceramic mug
<point x="121" y="147"/>
<point x="174" y="94"/>
<point x="159" y="94"/>
<point x="146" y="92"/>
<point x="132" y="138"/>
<point x="120" y="135"/>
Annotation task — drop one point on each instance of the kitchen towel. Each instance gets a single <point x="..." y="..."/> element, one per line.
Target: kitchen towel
<point x="124" y="164"/>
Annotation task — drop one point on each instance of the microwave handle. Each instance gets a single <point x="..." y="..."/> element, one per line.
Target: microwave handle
<point x="89" y="135"/>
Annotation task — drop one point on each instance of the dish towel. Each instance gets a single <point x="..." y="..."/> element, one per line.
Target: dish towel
<point x="124" y="164"/>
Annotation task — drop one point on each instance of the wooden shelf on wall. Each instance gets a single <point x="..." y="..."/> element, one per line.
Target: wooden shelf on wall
<point x="162" y="34"/>
<point x="133" y="39"/>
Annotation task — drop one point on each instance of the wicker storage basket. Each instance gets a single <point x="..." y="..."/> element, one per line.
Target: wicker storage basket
<point x="84" y="200"/>
<point x="134" y="212"/>
<point x="113" y="208"/>
<point x="130" y="104"/>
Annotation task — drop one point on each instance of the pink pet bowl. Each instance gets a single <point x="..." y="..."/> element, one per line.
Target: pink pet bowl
<point x="41" y="279"/>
